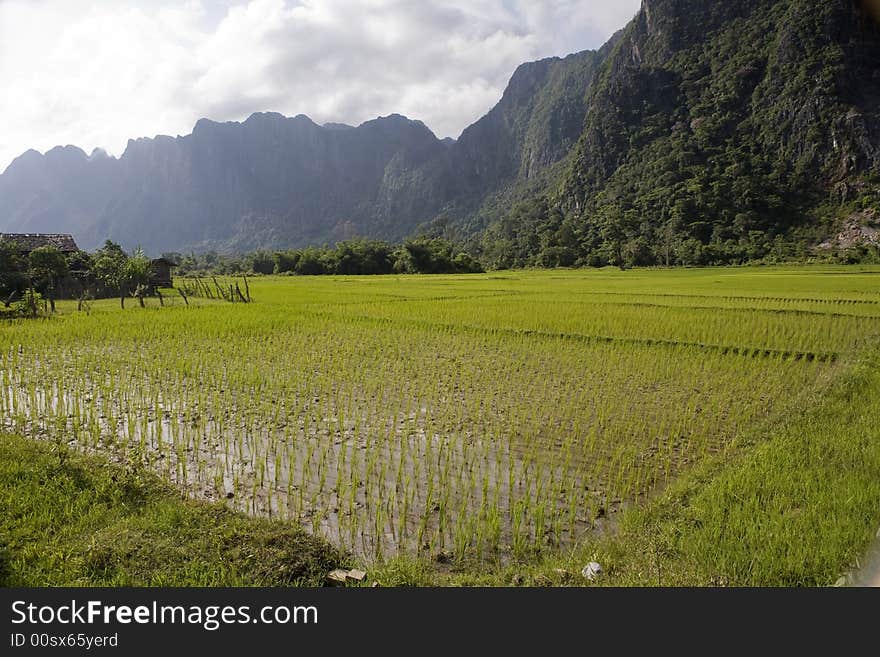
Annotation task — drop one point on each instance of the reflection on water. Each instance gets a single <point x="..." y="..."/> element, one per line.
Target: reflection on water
<point x="869" y="575"/>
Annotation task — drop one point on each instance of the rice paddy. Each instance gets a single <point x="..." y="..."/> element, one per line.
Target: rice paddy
<point x="495" y="416"/>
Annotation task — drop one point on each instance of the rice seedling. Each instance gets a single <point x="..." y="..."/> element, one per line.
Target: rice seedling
<point x="490" y="417"/>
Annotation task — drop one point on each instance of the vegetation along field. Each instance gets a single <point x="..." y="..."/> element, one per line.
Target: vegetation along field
<point x="679" y="427"/>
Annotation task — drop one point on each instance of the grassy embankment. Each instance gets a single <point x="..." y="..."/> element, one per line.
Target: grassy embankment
<point x="75" y="520"/>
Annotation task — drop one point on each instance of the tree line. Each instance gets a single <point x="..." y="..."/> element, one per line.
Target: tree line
<point x="46" y="274"/>
<point x="538" y="233"/>
<point x="421" y="255"/>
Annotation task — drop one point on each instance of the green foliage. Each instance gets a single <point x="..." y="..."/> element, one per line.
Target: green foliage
<point x="13" y="279"/>
<point x="137" y="270"/>
<point x="535" y="233"/>
<point x="363" y="257"/>
<point x="425" y="255"/>
<point x="109" y="264"/>
<point x="136" y="275"/>
<point x="262" y="262"/>
<point x="81" y="266"/>
<point x="285" y="261"/>
<point x="861" y="254"/>
<point x="47" y="266"/>
<point x="357" y="257"/>
<point x="310" y="263"/>
<point x="27" y="304"/>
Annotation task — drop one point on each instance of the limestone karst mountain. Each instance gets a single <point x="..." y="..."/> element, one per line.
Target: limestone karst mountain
<point x="703" y="132"/>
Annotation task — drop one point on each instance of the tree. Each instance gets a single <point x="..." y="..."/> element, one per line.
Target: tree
<point x="363" y="256"/>
<point x="47" y="267"/>
<point x="310" y="263"/>
<point x="136" y="275"/>
<point x="109" y="268"/>
<point x="12" y="278"/>
<point x="617" y="227"/>
<point x="123" y="274"/>
<point x="285" y="261"/>
<point x="81" y="267"/>
<point x="262" y="262"/>
<point x="425" y="256"/>
<point x="466" y="264"/>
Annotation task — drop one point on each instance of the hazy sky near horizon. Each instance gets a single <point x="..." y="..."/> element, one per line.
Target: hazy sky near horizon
<point x="95" y="73"/>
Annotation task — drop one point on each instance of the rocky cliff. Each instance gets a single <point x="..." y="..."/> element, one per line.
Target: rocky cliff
<point x="710" y="131"/>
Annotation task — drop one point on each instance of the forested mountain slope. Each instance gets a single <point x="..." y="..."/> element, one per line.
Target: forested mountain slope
<point x="717" y="131"/>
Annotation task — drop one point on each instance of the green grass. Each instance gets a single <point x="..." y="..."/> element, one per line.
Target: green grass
<point x="81" y="521"/>
<point x="685" y="426"/>
<point x="795" y="508"/>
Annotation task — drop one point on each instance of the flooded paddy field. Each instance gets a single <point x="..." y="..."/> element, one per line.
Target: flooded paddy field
<point x="486" y="416"/>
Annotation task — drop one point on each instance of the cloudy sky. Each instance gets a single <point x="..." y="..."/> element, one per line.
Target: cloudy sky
<point x="95" y="72"/>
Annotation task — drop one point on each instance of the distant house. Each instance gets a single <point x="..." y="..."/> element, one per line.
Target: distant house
<point x="28" y="242"/>
<point x="162" y="272"/>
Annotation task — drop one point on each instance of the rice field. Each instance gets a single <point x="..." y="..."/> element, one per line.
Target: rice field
<point x="486" y="416"/>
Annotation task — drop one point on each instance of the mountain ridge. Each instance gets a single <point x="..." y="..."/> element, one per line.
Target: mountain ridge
<point x="705" y="133"/>
<point x="399" y="176"/>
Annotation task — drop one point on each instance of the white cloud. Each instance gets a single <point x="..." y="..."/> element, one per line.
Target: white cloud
<point x="95" y="73"/>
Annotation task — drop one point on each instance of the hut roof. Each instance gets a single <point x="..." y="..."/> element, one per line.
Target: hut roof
<point x="30" y="241"/>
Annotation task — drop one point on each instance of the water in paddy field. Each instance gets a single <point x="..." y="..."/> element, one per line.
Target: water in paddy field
<point x="869" y="575"/>
<point x="398" y="504"/>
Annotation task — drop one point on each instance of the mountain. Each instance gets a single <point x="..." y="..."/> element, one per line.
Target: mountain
<point x="275" y="182"/>
<point x="516" y="148"/>
<point x="704" y="132"/>
<point x="536" y="123"/>
<point x="716" y="132"/>
<point x="270" y="180"/>
<point x="63" y="189"/>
